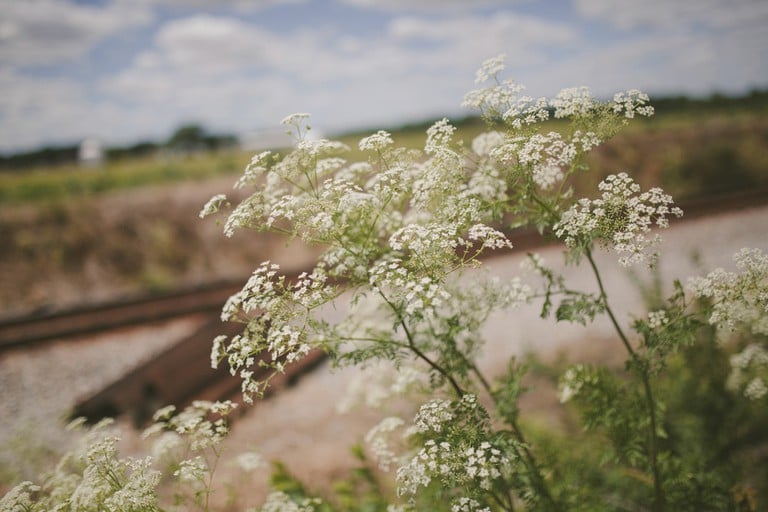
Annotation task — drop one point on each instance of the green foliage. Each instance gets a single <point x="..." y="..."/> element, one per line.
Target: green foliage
<point x="360" y="491"/>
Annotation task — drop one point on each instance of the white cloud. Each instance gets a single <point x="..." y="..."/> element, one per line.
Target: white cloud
<point x="233" y="72"/>
<point x="665" y="14"/>
<point x="47" y="31"/>
<point x="524" y="30"/>
<point x="212" y="44"/>
<point x="423" y="5"/>
<point x="53" y="110"/>
<point x="241" y="5"/>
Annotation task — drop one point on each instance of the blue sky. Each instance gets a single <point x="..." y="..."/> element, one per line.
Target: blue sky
<point x="130" y="70"/>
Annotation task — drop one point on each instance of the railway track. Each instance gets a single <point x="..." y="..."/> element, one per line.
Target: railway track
<point x="182" y="373"/>
<point x="35" y="328"/>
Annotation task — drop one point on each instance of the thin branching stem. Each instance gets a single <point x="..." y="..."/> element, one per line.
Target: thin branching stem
<point x="659" y="499"/>
<point x="530" y="459"/>
<point x="421" y="355"/>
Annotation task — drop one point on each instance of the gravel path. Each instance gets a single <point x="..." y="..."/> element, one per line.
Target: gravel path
<point x="39" y="386"/>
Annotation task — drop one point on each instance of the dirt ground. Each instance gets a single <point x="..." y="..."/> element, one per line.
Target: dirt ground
<point x="121" y="244"/>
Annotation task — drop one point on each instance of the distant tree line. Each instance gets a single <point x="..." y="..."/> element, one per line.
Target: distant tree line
<point x="191" y="138"/>
<point x="755" y="99"/>
<point x="188" y="138"/>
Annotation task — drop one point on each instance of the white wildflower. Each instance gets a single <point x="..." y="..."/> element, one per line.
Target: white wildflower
<point x="570" y="383"/>
<point x="433" y="415"/>
<point x="19" y="499"/>
<point x="756" y="389"/>
<point x="632" y="102"/>
<point x="490" y="68"/>
<point x="622" y="218"/>
<point x="486" y="141"/>
<point x="295" y="119"/>
<point x="657" y="319"/>
<point x="738" y="298"/>
<point x="192" y="470"/>
<point x="279" y="501"/>
<point x="573" y="102"/>
<point x="377" y="439"/>
<point x="250" y="461"/>
<point x="213" y="205"/>
<point x="489" y="237"/>
<point x="465" y="504"/>
<point x="379" y="141"/>
<point x="749" y="368"/>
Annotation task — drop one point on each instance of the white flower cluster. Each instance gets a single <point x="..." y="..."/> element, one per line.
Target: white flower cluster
<point x="463" y="462"/>
<point x="377" y="440"/>
<point x="91" y="478"/>
<point x="495" y="100"/>
<point x="275" y="329"/>
<point x="249" y="461"/>
<point x="486" y="141"/>
<point x="240" y="217"/>
<point x="379" y="141"/>
<point x="435" y="242"/>
<point x="279" y="501"/>
<point x="433" y="415"/>
<point x="439" y="137"/>
<point x="19" y="498"/>
<point x="546" y="154"/>
<point x="573" y="102"/>
<point x="503" y="99"/>
<point x="657" y="319"/>
<point x="622" y="217"/>
<point x="379" y="383"/>
<point x="256" y="168"/>
<point x="465" y="504"/>
<point x="311" y="289"/>
<point x="425" y="241"/>
<point x="738" y="298"/>
<point x="490" y="68"/>
<point x="570" y="383"/>
<point x="490" y="238"/>
<point x="482" y="464"/>
<point x="631" y="103"/>
<point x="750" y="371"/>
<point x="203" y="423"/>
<point x="213" y="205"/>
<point x="526" y="110"/>
<point x="296" y="120"/>
<point x="192" y="470"/>
<point x="262" y="292"/>
<point x="419" y="294"/>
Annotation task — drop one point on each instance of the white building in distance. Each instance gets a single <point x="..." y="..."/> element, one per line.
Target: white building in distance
<point x="91" y="152"/>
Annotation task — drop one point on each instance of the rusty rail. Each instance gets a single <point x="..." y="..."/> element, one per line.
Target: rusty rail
<point x="35" y="328"/>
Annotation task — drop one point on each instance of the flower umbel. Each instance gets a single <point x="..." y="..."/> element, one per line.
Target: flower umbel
<point x="621" y="218"/>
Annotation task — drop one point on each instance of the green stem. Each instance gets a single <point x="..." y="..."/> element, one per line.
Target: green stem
<point x="659" y="502"/>
<point x="421" y="355"/>
<point x="528" y="455"/>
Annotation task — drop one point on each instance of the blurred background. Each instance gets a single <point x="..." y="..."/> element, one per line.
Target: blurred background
<point x="116" y="97"/>
<point x="120" y="118"/>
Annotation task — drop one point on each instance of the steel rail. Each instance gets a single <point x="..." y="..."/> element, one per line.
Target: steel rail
<point x="36" y="327"/>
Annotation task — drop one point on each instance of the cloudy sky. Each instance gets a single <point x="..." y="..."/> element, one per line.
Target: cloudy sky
<point x="130" y="70"/>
